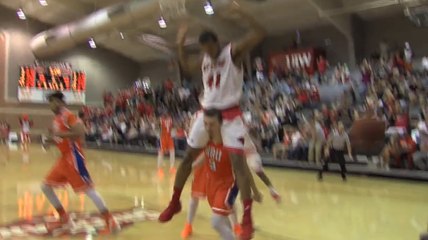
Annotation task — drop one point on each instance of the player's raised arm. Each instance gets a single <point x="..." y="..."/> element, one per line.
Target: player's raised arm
<point x="251" y="39"/>
<point x="187" y="65"/>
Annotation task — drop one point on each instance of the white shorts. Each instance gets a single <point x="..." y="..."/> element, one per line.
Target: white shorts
<point x="233" y="132"/>
<point x="254" y="160"/>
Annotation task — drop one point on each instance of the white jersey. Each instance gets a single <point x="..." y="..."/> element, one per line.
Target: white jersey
<point x="25" y="127"/>
<point x="223" y="81"/>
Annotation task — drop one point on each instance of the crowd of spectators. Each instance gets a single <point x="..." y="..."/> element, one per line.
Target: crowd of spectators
<point x="284" y="112"/>
<point x="131" y="116"/>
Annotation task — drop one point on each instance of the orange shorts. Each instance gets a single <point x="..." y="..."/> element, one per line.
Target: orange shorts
<point x="199" y="183"/>
<point x="166" y="144"/>
<point x="221" y="195"/>
<point x="70" y="169"/>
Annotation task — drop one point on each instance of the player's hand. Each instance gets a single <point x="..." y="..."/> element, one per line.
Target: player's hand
<point x="258" y="197"/>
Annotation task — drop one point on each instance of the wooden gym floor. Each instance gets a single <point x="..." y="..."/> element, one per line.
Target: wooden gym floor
<point x="362" y="208"/>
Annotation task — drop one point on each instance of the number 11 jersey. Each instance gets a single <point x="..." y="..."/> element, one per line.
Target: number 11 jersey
<point x="222" y="80"/>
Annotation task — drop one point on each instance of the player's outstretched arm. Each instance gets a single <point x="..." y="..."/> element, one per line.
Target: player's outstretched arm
<point x="186" y="64"/>
<point x="254" y="37"/>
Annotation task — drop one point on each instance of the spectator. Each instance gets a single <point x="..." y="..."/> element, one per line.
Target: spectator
<point x="316" y="142"/>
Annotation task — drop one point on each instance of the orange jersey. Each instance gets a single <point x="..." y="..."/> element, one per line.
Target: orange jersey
<point x="62" y="123"/>
<point x="218" y="162"/>
<point x="166" y="127"/>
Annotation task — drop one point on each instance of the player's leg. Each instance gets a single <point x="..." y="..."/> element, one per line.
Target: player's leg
<point x="188" y="227"/>
<point x="198" y="138"/>
<point x="172" y="156"/>
<point x="56" y="177"/>
<point x="233" y="217"/>
<point x="222" y="225"/>
<point x="233" y="133"/>
<point x="254" y="161"/>
<point x="80" y="180"/>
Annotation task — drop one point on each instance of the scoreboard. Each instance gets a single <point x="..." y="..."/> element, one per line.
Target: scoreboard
<point x="37" y="81"/>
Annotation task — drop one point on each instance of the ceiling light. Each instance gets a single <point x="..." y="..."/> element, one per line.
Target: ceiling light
<point x="162" y="22"/>
<point x="122" y="36"/>
<point x="92" y="43"/>
<point x="209" y="10"/>
<point x="21" y="14"/>
<point x="44" y="3"/>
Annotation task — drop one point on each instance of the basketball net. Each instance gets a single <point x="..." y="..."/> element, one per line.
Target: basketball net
<point x="172" y="9"/>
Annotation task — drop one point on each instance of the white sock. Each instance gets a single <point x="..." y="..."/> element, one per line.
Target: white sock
<point x="234" y="217"/>
<point x="97" y="200"/>
<point x="171" y="158"/>
<point x="222" y="225"/>
<point x="51" y="196"/>
<point x="160" y="159"/>
<point x="193" y="206"/>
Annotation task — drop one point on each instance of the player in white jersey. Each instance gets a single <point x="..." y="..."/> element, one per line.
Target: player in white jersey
<point x="223" y="82"/>
<point x="26" y="124"/>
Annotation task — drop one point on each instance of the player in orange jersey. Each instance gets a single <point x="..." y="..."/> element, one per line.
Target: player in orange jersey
<point x="166" y="144"/>
<point x="26" y="124"/>
<point x="70" y="169"/>
<point x="220" y="187"/>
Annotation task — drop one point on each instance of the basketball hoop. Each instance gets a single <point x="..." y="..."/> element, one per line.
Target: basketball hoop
<point x="172" y="9"/>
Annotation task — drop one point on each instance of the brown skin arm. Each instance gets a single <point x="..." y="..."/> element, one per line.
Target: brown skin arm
<point x="254" y="37"/>
<point x="188" y="65"/>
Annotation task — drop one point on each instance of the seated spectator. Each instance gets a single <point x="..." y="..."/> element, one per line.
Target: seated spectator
<point x="107" y="134"/>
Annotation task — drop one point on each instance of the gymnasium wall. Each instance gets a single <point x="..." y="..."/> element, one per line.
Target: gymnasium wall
<point x="105" y="70"/>
<point x="394" y="29"/>
<point x="159" y="71"/>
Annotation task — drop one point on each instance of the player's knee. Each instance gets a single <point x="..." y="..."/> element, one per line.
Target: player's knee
<point x="217" y="222"/>
<point x="44" y="187"/>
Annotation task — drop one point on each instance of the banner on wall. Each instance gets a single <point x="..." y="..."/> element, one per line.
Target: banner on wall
<point x="34" y="95"/>
<point x="295" y="60"/>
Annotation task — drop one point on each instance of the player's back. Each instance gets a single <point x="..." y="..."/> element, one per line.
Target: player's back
<point x="62" y="123"/>
<point x="218" y="162"/>
<point x="222" y="80"/>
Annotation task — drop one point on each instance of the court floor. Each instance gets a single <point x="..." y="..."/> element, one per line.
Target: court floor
<point x="362" y="208"/>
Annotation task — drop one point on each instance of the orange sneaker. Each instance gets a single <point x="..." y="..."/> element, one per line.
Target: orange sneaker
<point x="161" y="174"/>
<point x="187" y="231"/>
<point x="237" y="229"/>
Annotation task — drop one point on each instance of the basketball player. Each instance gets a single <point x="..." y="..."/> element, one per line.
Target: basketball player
<point x="166" y="144"/>
<point x="26" y="125"/>
<point x="222" y="75"/>
<point x="198" y="186"/>
<point x="68" y="133"/>
<point x="220" y="187"/>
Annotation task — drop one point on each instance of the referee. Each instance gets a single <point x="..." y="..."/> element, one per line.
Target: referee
<point x="337" y="143"/>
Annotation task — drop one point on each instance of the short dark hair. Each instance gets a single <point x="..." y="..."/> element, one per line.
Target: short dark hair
<point x="56" y="95"/>
<point x="208" y="36"/>
<point x="214" y="113"/>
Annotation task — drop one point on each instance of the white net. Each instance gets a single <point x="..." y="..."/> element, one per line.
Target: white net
<point x="171" y="9"/>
